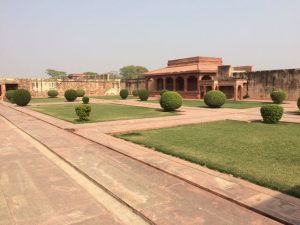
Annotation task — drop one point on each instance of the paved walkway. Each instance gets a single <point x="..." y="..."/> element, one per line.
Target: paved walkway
<point x="187" y="193"/>
<point x="33" y="190"/>
<point x="158" y="196"/>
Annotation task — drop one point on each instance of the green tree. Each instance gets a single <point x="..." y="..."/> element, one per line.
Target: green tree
<point x="55" y="73"/>
<point x="133" y="72"/>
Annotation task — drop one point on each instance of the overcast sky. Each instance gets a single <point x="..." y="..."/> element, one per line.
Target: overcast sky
<point x="96" y="35"/>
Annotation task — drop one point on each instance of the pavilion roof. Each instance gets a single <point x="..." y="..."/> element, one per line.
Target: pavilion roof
<point x="189" y="65"/>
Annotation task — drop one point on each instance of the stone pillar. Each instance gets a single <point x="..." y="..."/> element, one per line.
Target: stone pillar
<point x="146" y="84"/>
<point x="185" y="84"/>
<point x="235" y="92"/>
<point x="174" y="83"/>
<point x="164" y="82"/>
<point x="198" y="87"/>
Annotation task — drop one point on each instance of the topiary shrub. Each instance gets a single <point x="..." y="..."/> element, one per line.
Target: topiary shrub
<point x="85" y="100"/>
<point x="143" y="94"/>
<point x="170" y="101"/>
<point x="10" y="95"/>
<point x="278" y="96"/>
<point x="52" y="93"/>
<point x="162" y="92"/>
<point x="135" y="92"/>
<point x="22" y="97"/>
<point x="80" y="92"/>
<point x="70" y="95"/>
<point x="298" y="103"/>
<point x="214" y="99"/>
<point x="124" y="93"/>
<point x="271" y="113"/>
<point x="83" y="112"/>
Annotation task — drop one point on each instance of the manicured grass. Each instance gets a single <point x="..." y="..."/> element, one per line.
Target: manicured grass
<point x="229" y="104"/>
<point x="47" y="100"/>
<point x="100" y="112"/>
<point x="268" y="155"/>
<point x="113" y="97"/>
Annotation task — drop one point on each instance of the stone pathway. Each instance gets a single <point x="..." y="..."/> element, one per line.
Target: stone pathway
<point x="161" y="189"/>
<point x="33" y="190"/>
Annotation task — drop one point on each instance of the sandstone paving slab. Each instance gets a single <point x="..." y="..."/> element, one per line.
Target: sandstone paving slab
<point x="33" y="190"/>
<point x="162" y="198"/>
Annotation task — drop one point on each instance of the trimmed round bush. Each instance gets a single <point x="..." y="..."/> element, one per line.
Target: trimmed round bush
<point x="214" y="99"/>
<point x="124" y="93"/>
<point x="85" y="100"/>
<point x="83" y="112"/>
<point x="298" y="103"/>
<point x="22" y="97"/>
<point x="135" y="92"/>
<point x="10" y="95"/>
<point x="143" y="94"/>
<point x="271" y="113"/>
<point x="278" y="96"/>
<point x="70" y="95"/>
<point x="162" y="92"/>
<point x="52" y="93"/>
<point x="80" y="92"/>
<point x="170" y="101"/>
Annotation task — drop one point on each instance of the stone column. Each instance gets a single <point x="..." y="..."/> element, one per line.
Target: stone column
<point x="174" y="83"/>
<point x="235" y="92"/>
<point x="185" y="84"/>
<point x="164" y="82"/>
<point x="146" y="84"/>
<point x="198" y="87"/>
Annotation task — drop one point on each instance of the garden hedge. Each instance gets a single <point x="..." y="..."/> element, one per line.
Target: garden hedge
<point x="85" y="100"/>
<point x="271" y="113"/>
<point x="52" y="93"/>
<point x="214" y="99"/>
<point x="70" y="95"/>
<point x="83" y="112"/>
<point x="10" y="95"/>
<point x="162" y="92"/>
<point x="278" y="96"/>
<point x="124" y="93"/>
<point x="22" y="97"/>
<point x="135" y="92"/>
<point x="170" y="101"/>
<point x="143" y="94"/>
<point x="80" y="92"/>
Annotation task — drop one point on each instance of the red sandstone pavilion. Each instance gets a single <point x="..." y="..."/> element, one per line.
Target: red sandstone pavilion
<point x="193" y="77"/>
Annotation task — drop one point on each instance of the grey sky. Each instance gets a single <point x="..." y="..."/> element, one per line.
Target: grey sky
<point x="95" y="35"/>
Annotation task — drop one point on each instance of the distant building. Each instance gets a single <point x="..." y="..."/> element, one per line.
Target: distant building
<point x="76" y="76"/>
<point x="194" y="77"/>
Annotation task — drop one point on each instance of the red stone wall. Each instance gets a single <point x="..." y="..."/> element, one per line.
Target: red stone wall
<point x="261" y="83"/>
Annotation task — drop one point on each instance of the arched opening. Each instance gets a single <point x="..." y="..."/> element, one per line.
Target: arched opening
<point x="159" y="84"/>
<point x="192" y="83"/>
<point x="169" y="84"/>
<point x="179" y="84"/>
<point x="206" y="77"/>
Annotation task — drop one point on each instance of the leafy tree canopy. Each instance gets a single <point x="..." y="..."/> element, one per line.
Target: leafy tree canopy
<point x="133" y="72"/>
<point x="55" y="73"/>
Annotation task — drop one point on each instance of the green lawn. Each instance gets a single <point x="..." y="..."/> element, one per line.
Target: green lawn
<point x="47" y="100"/>
<point x="268" y="155"/>
<point x="113" y="97"/>
<point x="100" y="112"/>
<point x="229" y="104"/>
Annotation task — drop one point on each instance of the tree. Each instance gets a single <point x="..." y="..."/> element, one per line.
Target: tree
<point x="55" y="73"/>
<point x="133" y="72"/>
